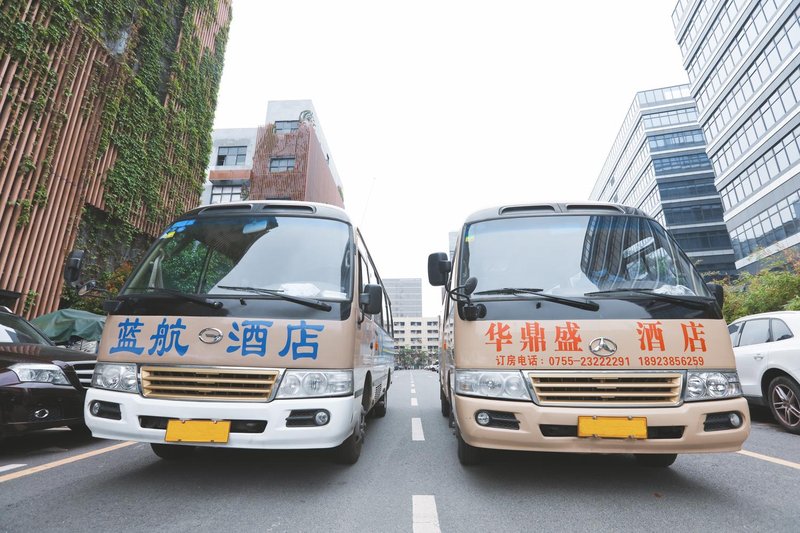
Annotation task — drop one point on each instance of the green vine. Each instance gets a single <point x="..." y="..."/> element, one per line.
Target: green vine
<point x="30" y="301"/>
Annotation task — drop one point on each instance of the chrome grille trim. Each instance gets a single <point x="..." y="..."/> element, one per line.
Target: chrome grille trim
<point x="209" y="383"/>
<point x="84" y="369"/>
<point x="607" y="389"/>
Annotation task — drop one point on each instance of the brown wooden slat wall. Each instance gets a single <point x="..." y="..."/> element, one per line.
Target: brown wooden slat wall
<point x="32" y="254"/>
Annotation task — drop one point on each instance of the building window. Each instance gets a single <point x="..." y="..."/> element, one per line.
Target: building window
<point x="222" y="194"/>
<point x="286" y="126"/>
<point x="281" y="164"/>
<point x="228" y="156"/>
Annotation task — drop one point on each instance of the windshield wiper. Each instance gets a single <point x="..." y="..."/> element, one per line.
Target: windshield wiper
<point x="580" y="304"/>
<point x="672" y="298"/>
<point x="213" y="304"/>
<point x="310" y="302"/>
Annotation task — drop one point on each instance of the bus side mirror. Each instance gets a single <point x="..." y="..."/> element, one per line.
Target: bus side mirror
<point x="438" y="269"/>
<point x="718" y="292"/>
<point x="72" y="269"/>
<point x="371" y="299"/>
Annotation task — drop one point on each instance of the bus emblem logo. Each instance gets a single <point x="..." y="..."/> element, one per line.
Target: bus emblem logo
<point x="210" y="335"/>
<point x="603" y="347"/>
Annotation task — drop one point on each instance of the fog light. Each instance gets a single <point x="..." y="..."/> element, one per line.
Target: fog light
<point x="483" y="418"/>
<point x="94" y="408"/>
<point x="736" y="420"/>
<point x="322" y="418"/>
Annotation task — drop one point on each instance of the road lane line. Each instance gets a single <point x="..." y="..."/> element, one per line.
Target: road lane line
<point x="413" y="391"/>
<point x="770" y="459"/>
<point x="10" y="467"/>
<point x="54" y="464"/>
<point x="414" y="402"/>
<point x="426" y="519"/>
<point x="416" y="429"/>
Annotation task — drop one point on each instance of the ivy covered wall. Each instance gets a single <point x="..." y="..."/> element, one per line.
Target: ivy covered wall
<point x="106" y="104"/>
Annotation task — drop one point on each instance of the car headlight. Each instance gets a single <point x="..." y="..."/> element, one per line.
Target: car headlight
<point x="115" y="376"/>
<point x="39" y="373"/>
<point x="315" y="383"/>
<point x="711" y="385"/>
<point x="492" y="384"/>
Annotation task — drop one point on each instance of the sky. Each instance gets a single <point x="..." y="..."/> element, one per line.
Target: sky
<point x="435" y="109"/>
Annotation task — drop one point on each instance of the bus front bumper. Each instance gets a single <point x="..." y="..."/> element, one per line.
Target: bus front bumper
<point x="686" y="428"/>
<point x="139" y="415"/>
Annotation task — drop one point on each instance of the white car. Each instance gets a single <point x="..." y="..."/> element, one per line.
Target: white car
<point x="767" y="348"/>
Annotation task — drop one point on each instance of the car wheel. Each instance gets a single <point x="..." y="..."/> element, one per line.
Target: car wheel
<point x="445" y="404"/>
<point x="656" y="460"/>
<point x="173" y="452"/>
<point x="783" y="397"/>
<point x="468" y="455"/>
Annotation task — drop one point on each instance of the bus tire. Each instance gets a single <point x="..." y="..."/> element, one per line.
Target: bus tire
<point x="173" y="452"/>
<point x="348" y="452"/>
<point x="445" y="404"/>
<point x="379" y="411"/>
<point x="468" y="455"/>
<point x="656" y="460"/>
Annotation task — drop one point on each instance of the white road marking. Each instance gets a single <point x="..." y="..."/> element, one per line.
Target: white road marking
<point x="426" y="519"/>
<point x="770" y="459"/>
<point x="416" y="429"/>
<point x="414" y="402"/>
<point x="413" y="391"/>
<point x="10" y="467"/>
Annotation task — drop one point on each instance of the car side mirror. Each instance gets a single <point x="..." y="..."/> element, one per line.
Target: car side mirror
<point x="91" y="287"/>
<point x="718" y="292"/>
<point x="439" y="267"/>
<point x="73" y="266"/>
<point x="371" y="299"/>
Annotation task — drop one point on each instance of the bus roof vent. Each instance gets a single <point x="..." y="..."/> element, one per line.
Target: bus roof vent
<point x="289" y="208"/>
<point x="237" y="207"/>
<point x="606" y="208"/>
<point x="514" y="209"/>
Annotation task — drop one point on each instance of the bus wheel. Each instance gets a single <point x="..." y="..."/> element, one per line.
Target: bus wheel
<point x="467" y="455"/>
<point x="348" y="452"/>
<point x="173" y="452"/>
<point x="656" y="460"/>
<point x="445" y="404"/>
<point x="379" y="411"/>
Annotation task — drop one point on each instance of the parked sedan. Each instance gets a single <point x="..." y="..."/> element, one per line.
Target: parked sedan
<point x="41" y="386"/>
<point x="767" y="348"/>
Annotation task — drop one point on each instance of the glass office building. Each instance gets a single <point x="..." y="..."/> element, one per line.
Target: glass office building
<point x="658" y="163"/>
<point x="405" y="295"/>
<point x="743" y="61"/>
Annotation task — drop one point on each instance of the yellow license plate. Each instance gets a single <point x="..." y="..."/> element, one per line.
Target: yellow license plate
<point x="612" y="427"/>
<point x="198" y="431"/>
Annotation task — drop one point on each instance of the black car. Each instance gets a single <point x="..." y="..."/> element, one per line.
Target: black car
<point x="41" y="386"/>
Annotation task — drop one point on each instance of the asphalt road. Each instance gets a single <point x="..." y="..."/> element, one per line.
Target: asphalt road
<point x="408" y="479"/>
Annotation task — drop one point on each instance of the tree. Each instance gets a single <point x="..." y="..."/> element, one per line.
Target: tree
<point x="775" y="287"/>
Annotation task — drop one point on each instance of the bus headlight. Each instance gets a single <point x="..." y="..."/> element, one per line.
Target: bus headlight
<point x="315" y="383"/>
<point x="492" y="384"/>
<point x="711" y="385"/>
<point x="115" y="376"/>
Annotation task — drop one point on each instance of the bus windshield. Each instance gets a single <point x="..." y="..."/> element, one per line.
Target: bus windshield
<point x="297" y="256"/>
<point x="574" y="255"/>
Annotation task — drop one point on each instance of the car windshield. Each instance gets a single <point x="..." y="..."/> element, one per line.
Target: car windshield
<point x="242" y="256"/>
<point x="573" y="255"/>
<point x="14" y="329"/>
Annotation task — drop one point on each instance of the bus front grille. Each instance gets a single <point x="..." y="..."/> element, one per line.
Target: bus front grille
<point x="191" y="383"/>
<point x="607" y="389"/>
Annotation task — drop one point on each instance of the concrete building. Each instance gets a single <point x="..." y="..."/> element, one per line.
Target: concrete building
<point x="417" y="333"/>
<point x="658" y="164"/>
<point x="287" y="159"/>
<point x="405" y="295"/>
<point x="743" y="61"/>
